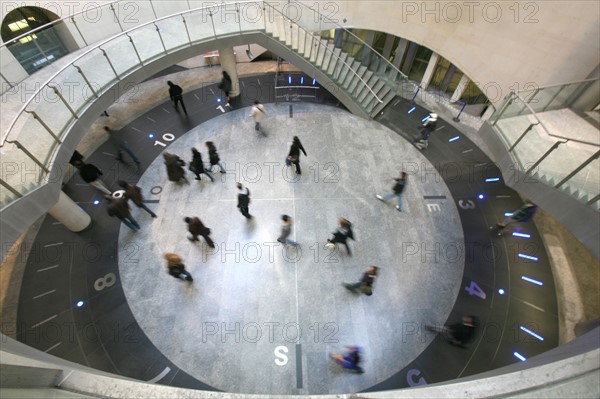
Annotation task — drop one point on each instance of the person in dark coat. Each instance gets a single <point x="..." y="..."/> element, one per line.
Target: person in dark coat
<point x="243" y="200"/>
<point x="120" y="146"/>
<point x="176" y="95"/>
<point x="213" y="156"/>
<point x="458" y="333"/>
<point x="134" y="193"/>
<point x="427" y="128"/>
<point x="197" y="228"/>
<point x="294" y="154"/>
<point x="175" y="165"/>
<point x="341" y="235"/>
<point x="119" y="208"/>
<point x="365" y="285"/>
<point x="91" y="175"/>
<point x="226" y="86"/>
<point x="396" y="191"/>
<point x="197" y="166"/>
<point x="176" y="268"/>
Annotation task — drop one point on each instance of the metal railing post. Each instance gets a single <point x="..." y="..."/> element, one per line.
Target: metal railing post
<point x="37" y="118"/>
<point x="504" y="107"/>
<point x="135" y="49"/>
<point x="30" y="155"/>
<point x="110" y="63"/>
<point x="213" y="23"/>
<point x="596" y="198"/>
<point x="522" y="136"/>
<point x="10" y="188"/>
<point x="187" y="30"/>
<point x="79" y="31"/>
<point x="86" y="80"/>
<point x="161" y="39"/>
<point x="116" y="17"/>
<point x="6" y="80"/>
<point x="58" y="93"/>
<point x="153" y="10"/>
<point x="578" y="169"/>
<point x="539" y="161"/>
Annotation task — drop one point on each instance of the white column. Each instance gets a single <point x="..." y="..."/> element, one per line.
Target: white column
<point x="70" y="214"/>
<point x="228" y="63"/>
<point x="460" y="89"/>
<point x="429" y="71"/>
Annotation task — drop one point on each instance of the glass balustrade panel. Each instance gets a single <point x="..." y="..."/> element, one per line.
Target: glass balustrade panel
<point x="543" y="98"/>
<point x="252" y="16"/>
<point x="121" y="55"/>
<point x="226" y="19"/>
<point x="147" y="43"/>
<point x="172" y="31"/>
<point x="199" y="24"/>
<point x="95" y="25"/>
<point x="133" y="13"/>
<point x="97" y="70"/>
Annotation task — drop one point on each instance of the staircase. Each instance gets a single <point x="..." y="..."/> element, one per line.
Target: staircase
<point x="370" y="89"/>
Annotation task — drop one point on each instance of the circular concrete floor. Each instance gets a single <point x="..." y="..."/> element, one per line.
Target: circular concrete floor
<point x="262" y="319"/>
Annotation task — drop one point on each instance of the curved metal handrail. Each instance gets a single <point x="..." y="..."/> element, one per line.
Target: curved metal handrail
<point x="56" y="21"/>
<point x="96" y="46"/>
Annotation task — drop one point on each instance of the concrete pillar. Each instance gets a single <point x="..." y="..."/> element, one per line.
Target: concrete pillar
<point x="70" y="214"/>
<point x="228" y="63"/>
<point x="447" y="78"/>
<point x="410" y="58"/>
<point x="400" y="50"/>
<point x="430" y="70"/>
<point x="488" y="113"/>
<point x="367" y="53"/>
<point x="460" y="89"/>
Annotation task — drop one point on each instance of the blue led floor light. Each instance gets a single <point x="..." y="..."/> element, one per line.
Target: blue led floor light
<point x="533" y="258"/>
<point x="412" y="109"/>
<point x="531" y="333"/>
<point x="519" y="356"/>
<point x="529" y="279"/>
<point x="453" y="139"/>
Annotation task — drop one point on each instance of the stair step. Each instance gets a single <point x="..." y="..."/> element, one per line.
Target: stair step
<point x="359" y="86"/>
<point x="301" y="41"/>
<point x="387" y="98"/>
<point x="333" y="61"/>
<point x="328" y="57"/>
<point x="315" y="49"/>
<point x="280" y="29"/>
<point x="308" y="39"/>
<point x="295" y="39"/>
<point x="322" y="52"/>
<point x="355" y="81"/>
<point x="344" y="70"/>
<point x="351" y="74"/>
<point x="340" y="65"/>
<point x="375" y="84"/>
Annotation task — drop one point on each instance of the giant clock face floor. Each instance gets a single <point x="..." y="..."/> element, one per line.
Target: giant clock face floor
<point x="261" y="318"/>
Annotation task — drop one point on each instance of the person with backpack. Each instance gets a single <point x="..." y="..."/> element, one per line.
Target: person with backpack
<point x="427" y="128"/>
<point x="350" y="359"/>
<point x="396" y="191"/>
<point x="521" y="215"/>
<point x="176" y="268"/>
<point x="365" y="285"/>
<point x="341" y="235"/>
